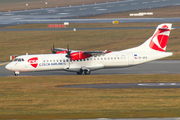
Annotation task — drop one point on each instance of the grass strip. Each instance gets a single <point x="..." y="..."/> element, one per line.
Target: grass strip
<point x="38" y="98"/>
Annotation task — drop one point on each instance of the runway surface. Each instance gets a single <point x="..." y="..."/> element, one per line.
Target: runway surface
<point x="126" y="85"/>
<point x="154" y="67"/>
<point x="55" y="15"/>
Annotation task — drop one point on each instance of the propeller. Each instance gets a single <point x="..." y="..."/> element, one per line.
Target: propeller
<point x="68" y="53"/>
<point x="53" y="50"/>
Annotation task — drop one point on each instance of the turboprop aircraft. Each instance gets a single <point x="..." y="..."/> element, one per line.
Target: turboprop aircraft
<point x="87" y="61"/>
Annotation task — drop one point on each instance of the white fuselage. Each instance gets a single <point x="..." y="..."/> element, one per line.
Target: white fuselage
<point x="61" y="62"/>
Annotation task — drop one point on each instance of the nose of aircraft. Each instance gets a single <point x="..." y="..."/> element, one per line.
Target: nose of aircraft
<point x="8" y="66"/>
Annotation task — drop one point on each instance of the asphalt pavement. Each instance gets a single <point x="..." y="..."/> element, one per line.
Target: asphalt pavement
<point x="125" y="85"/>
<point x="56" y="15"/>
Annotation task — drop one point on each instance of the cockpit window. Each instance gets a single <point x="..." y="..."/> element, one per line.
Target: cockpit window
<point x="19" y="59"/>
<point x="16" y="59"/>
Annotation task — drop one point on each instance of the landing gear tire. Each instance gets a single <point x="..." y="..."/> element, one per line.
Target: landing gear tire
<point x="80" y="72"/>
<point x="86" y="72"/>
<point x="16" y="73"/>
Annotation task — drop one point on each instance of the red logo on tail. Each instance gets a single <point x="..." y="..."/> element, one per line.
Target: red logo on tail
<point x="33" y="62"/>
<point x="159" y="41"/>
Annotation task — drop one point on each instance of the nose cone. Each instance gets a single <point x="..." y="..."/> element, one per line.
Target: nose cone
<point x="8" y="66"/>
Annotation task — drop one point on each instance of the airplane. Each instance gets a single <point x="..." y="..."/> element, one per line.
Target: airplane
<point x="86" y="61"/>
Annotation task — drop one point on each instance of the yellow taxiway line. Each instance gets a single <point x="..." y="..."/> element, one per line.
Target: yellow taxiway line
<point x="4" y="63"/>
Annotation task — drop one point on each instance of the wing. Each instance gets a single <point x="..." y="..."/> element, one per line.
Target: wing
<point x="78" y="54"/>
<point x="62" y="51"/>
<point x="96" y="53"/>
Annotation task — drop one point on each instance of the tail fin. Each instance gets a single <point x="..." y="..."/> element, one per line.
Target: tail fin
<point x="158" y="41"/>
<point x="160" y="37"/>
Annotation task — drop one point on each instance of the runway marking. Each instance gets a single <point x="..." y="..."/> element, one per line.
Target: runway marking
<point x="110" y="6"/>
<point x="63" y="13"/>
<point x="16" y="18"/>
<point x="69" y="10"/>
<point x="161" y="83"/>
<point x="156" y="1"/>
<point x="82" y="8"/>
<point x="3" y="63"/>
<point x="134" y="3"/>
<point x="51" y="10"/>
<point x="34" y="13"/>
<point x="145" y="2"/>
<point x="173" y="83"/>
<point x="97" y="7"/>
<point x="122" y="5"/>
<point x="158" y="84"/>
<point x="101" y="9"/>
<point x="7" y="14"/>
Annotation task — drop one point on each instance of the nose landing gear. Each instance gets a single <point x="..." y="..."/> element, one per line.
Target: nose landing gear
<point x="16" y="73"/>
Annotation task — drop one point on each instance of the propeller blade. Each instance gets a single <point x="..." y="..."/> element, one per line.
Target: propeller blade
<point x="68" y="53"/>
<point x="53" y="50"/>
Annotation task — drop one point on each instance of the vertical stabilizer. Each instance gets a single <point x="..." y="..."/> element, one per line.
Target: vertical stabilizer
<point x="158" y="41"/>
<point x="160" y="37"/>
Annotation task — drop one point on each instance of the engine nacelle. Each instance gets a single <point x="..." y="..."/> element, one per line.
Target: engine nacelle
<point x="79" y="55"/>
<point x="62" y="52"/>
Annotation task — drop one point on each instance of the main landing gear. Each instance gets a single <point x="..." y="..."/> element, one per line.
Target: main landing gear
<point x="86" y="72"/>
<point x="16" y="73"/>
